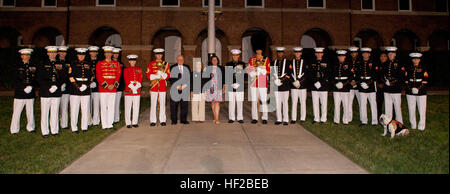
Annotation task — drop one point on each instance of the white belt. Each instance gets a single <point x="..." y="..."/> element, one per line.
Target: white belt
<point x="341" y="78"/>
<point x="366" y="77"/>
<point x="81" y="79"/>
<point x="417" y="80"/>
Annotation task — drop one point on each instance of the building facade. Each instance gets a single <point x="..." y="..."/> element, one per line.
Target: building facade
<point x="180" y="26"/>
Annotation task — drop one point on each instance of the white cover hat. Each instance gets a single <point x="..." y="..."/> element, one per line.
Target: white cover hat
<point x="298" y="49"/>
<point x="236" y="52"/>
<point x="132" y="57"/>
<point x="108" y="49"/>
<point x="51" y="48"/>
<point x="341" y="52"/>
<point x="415" y="55"/>
<point x="158" y="51"/>
<point x="26" y="51"/>
<point x="81" y="50"/>
<point x="319" y="49"/>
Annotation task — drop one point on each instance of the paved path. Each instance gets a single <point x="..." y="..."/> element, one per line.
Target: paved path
<point x="209" y="148"/>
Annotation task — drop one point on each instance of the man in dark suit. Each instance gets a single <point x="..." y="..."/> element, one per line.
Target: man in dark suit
<point x="180" y="75"/>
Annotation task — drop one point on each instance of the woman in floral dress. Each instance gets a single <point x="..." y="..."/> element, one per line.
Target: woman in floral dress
<point x="215" y="87"/>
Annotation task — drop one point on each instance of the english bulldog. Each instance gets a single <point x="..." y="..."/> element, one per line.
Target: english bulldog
<point x="393" y="126"/>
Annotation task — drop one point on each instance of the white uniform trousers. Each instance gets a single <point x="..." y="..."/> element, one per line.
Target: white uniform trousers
<point x="95" y="108"/>
<point x="154" y="96"/>
<point x="18" y="106"/>
<point x="341" y="98"/>
<point x="132" y="102"/>
<point x="75" y="103"/>
<point x="421" y="102"/>
<point x="236" y="99"/>
<point x="198" y="107"/>
<point x="261" y="94"/>
<point x="320" y="98"/>
<point x="107" y="101"/>
<point x="393" y="100"/>
<point x="64" y="111"/>
<point x="372" y="98"/>
<point x="282" y="100"/>
<point x="351" y="97"/>
<point x="117" y="107"/>
<point x="50" y="106"/>
<point x="298" y="94"/>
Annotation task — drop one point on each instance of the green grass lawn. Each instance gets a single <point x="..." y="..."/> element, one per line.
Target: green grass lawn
<point x="422" y="152"/>
<point x="30" y="153"/>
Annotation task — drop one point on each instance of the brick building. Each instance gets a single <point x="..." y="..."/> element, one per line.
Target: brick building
<point x="180" y="26"/>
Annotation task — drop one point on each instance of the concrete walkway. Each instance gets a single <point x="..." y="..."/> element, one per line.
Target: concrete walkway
<point x="208" y="148"/>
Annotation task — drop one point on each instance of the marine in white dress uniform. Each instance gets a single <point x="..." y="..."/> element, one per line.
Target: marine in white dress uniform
<point x="298" y="87"/>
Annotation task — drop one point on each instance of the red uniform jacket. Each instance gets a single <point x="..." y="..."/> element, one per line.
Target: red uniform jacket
<point x="259" y="81"/>
<point x="132" y="75"/>
<point x="161" y="85"/>
<point x="108" y="74"/>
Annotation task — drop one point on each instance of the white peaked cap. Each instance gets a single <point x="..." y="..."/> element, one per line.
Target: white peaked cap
<point x="353" y="49"/>
<point x="319" y="49"/>
<point x="280" y="49"/>
<point x="63" y="48"/>
<point x="366" y="49"/>
<point x="158" y="51"/>
<point x="26" y="51"/>
<point x="51" y="48"/>
<point x="341" y="52"/>
<point x="117" y="50"/>
<point x="132" y="57"/>
<point x="391" y="49"/>
<point x="81" y="50"/>
<point x="108" y="49"/>
<point x="298" y="49"/>
<point x="93" y="48"/>
<point x="236" y="52"/>
<point x="415" y="55"/>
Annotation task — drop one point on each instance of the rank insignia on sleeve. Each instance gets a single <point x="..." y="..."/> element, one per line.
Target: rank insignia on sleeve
<point x="104" y="84"/>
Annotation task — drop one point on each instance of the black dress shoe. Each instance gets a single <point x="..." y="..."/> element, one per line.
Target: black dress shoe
<point x="185" y="122"/>
<point x="84" y="131"/>
<point x="293" y="122"/>
<point x="285" y="123"/>
<point x="264" y="122"/>
<point x="75" y="132"/>
<point x="241" y="121"/>
<point x="302" y="121"/>
<point x="254" y="121"/>
<point x="153" y="124"/>
<point x="163" y="124"/>
<point x="45" y="136"/>
<point x="174" y="123"/>
<point x="34" y="131"/>
<point x="230" y="121"/>
<point x="55" y="134"/>
<point x="277" y="123"/>
<point x="128" y="126"/>
<point x="314" y="122"/>
<point x="135" y="126"/>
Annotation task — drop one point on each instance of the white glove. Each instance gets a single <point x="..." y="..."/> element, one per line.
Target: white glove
<point x="388" y="83"/>
<point x="131" y="86"/>
<point x="28" y="89"/>
<point x="63" y="87"/>
<point x="53" y="89"/>
<point x="134" y="90"/>
<point x="138" y="85"/>
<point x="160" y="73"/>
<point x="240" y="67"/>
<point x="93" y="85"/>
<point x="364" y="85"/>
<point x="318" y="85"/>
<point x="252" y="74"/>
<point x="278" y="82"/>
<point x="296" y="84"/>
<point x="163" y="75"/>
<point x="300" y="76"/>
<point x="236" y="85"/>
<point x="262" y="71"/>
<point x="154" y="76"/>
<point x="83" y="88"/>
<point x="415" y="91"/>
<point x="339" y="85"/>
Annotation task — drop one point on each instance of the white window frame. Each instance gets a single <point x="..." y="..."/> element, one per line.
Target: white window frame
<point x="373" y="6"/>
<point x="324" y="5"/>
<point x="100" y="5"/>
<point x="410" y="6"/>
<point x="43" y="4"/>
<point x="203" y="5"/>
<point x="262" y="6"/>
<point x="358" y="39"/>
<point x="161" y="4"/>
<point x="1" y="4"/>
